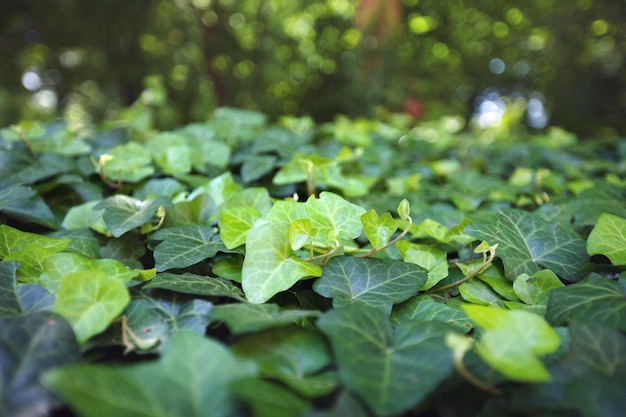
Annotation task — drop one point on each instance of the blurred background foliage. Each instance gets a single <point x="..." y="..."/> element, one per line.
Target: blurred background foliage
<point x="496" y="63"/>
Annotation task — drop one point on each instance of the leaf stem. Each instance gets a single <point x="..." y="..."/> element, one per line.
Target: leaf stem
<point x="482" y="268"/>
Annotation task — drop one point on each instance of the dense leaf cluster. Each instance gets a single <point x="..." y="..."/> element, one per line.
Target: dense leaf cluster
<point x="355" y="268"/>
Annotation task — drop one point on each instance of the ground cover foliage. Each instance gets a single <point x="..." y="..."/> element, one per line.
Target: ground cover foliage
<point x="357" y="268"/>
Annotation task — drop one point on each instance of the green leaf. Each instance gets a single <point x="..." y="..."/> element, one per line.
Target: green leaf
<point x="430" y="257"/>
<point x="9" y="303"/>
<point x="334" y="218"/>
<point x="13" y="240"/>
<point x="268" y="399"/>
<point x="153" y="319"/>
<point x="425" y="308"/>
<point x="378" y="229"/>
<point x="191" y="377"/>
<point x="13" y="194"/>
<point x="594" y="299"/>
<point x="379" y="283"/>
<point x="85" y="215"/>
<point x="31" y="210"/>
<point x="34" y="298"/>
<point x="31" y="262"/>
<point x="301" y="233"/>
<point x="404" y="209"/>
<point x="255" y="166"/>
<point x="390" y="370"/>
<point x="269" y="266"/>
<point x="286" y="211"/>
<point x="608" y="238"/>
<point x="30" y="345"/>
<point x="189" y="283"/>
<point x="245" y="318"/>
<point x="535" y="290"/>
<point x="123" y="213"/>
<point x="130" y="162"/>
<point x="477" y="292"/>
<point x="494" y="277"/>
<point x="90" y="301"/>
<point x="590" y="204"/>
<point x="57" y="266"/>
<point x="512" y="341"/>
<point x="527" y="243"/>
<point x="184" y="246"/>
<point x="235" y="223"/>
<point x="292" y="355"/>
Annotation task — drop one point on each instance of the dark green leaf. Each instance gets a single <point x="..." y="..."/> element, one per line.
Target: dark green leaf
<point x="191" y="379"/>
<point x="184" y="246"/>
<point x="526" y="243"/>
<point x="14" y="194"/>
<point x="245" y="318"/>
<point x="379" y="283"/>
<point x="255" y="166"/>
<point x="594" y="299"/>
<point x="29" y="346"/>
<point x="390" y="370"/>
<point x="123" y="213"/>
<point x="35" y="298"/>
<point x="267" y="399"/>
<point x="9" y="303"/>
<point x="425" y="308"/>
<point x="189" y="283"/>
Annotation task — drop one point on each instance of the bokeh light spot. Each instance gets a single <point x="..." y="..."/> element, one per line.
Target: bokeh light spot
<point x="599" y="27"/>
<point x="31" y="81"/>
<point x="497" y="66"/>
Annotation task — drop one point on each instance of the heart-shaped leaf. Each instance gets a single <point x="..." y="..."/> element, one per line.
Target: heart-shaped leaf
<point x="379" y="283"/>
<point x="334" y="218"/>
<point x="235" y="223"/>
<point x="608" y="238"/>
<point x="390" y="370"/>
<point x="378" y="229"/>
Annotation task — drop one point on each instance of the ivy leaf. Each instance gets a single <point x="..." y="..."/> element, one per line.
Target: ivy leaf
<point x="430" y="257"/>
<point x="301" y="233"/>
<point x="292" y="355"/>
<point x="191" y="376"/>
<point x="268" y="399"/>
<point x="244" y="318"/>
<point x="286" y="211"/>
<point x="608" y="238"/>
<point x="378" y="229"/>
<point x="184" y="246"/>
<point x="130" y="162"/>
<point x="90" y="301"/>
<point x="35" y="298"/>
<point x="590" y="204"/>
<point x="235" y="223"/>
<point x="123" y="213"/>
<point x="478" y="292"/>
<point x="9" y="303"/>
<point x="513" y="340"/>
<point x="527" y="243"/>
<point x="255" y="166"/>
<point x="379" y="283"/>
<point x="189" y="283"/>
<point x="535" y="290"/>
<point x="334" y="218"/>
<point x="391" y="370"/>
<point x="85" y="215"/>
<point x="13" y="240"/>
<point x="269" y="266"/>
<point x="31" y="210"/>
<point x="13" y="194"/>
<point x="30" y="345"/>
<point x="594" y="299"/>
<point x="425" y="308"/>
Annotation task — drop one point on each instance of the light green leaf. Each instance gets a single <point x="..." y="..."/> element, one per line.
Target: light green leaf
<point x="513" y="341"/>
<point x="189" y="283"/>
<point x="334" y="217"/>
<point x="378" y="229"/>
<point x="430" y="257"/>
<point x="191" y="378"/>
<point x="527" y="243"/>
<point x="90" y="301"/>
<point x="269" y="266"/>
<point x="130" y="162"/>
<point x="14" y="240"/>
<point x="391" y="370"/>
<point x="477" y="292"/>
<point x="256" y="197"/>
<point x="184" y="246"/>
<point x="286" y="211"/>
<point x="244" y="318"/>
<point x="404" y="209"/>
<point x="31" y="260"/>
<point x="380" y="283"/>
<point x="608" y="238"/>
<point x="235" y="223"/>
<point x="595" y="300"/>
<point x="300" y="233"/>
<point x="123" y="213"/>
<point x="301" y="166"/>
<point x="494" y="277"/>
<point x="536" y="289"/>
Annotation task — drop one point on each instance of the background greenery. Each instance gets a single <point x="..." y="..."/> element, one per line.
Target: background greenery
<point x="183" y="58"/>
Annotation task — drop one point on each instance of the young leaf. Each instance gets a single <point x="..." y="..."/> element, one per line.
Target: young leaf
<point x="130" y="162"/>
<point x="536" y="289"/>
<point x="300" y="233"/>
<point x="90" y="301"/>
<point x="379" y="283"/>
<point x="527" y="243"/>
<point x="391" y="370"/>
<point x="594" y="299"/>
<point x="429" y="257"/>
<point x="30" y="345"/>
<point x="608" y="238"/>
<point x="191" y="377"/>
<point x="269" y="266"/>
<point x="404" y="210"/>
<point x="378" y="229"/>
<point x="513" y="341"/>
<point x="334" y="217"/>
<point x="235" y="223"/>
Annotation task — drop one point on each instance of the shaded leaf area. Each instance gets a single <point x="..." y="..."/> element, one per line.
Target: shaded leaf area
<point x="595" y="300"/>
<point x="527" y="243"/>
<point x="25" y="204"/>
<point x="391" y="370"/>
<point x="380" y="283"/>
<point x="30" y="345"/>
<point x="426" y="308"/>
<point x="184" y="246"/>
<point x="193" y="375"/>
<point x="588" y="379"/>
<point x="189" y="283"/>
<point x="269" y="399"/>
<point x="9" y="301"/>
<point x="246" y="318"/>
